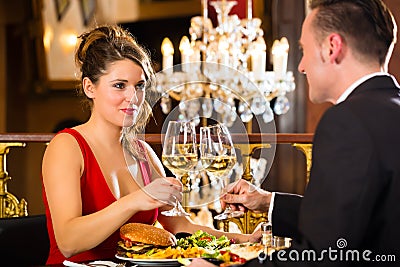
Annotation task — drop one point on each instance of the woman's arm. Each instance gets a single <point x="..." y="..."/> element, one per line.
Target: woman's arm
<point x="62" y="169"/>
<point x="176" y="224"/>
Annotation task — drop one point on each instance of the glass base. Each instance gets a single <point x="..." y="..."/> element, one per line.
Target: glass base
<point x="227" y="214"/>
<point x="176" y="211"/>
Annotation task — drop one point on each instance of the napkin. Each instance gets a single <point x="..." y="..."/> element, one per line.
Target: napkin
<point x="93" y="263"/>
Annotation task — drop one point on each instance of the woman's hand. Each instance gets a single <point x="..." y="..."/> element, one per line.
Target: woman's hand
<point x="161" y="192"/>
<point x="256" y="236"/>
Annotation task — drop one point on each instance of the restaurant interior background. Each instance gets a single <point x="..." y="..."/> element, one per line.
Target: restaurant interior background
<point x="32" y="102"/>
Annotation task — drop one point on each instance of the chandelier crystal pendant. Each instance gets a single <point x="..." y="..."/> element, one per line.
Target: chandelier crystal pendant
<point x="206" y="81"/>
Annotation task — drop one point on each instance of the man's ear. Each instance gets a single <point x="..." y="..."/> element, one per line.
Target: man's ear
<point x="88" y="87"/>
<point x="336" y="48"/>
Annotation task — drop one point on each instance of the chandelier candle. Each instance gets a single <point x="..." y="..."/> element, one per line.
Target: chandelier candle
<point x="167" y="50"/>
<point x="224" y="69"/>
<point x="249" y="9"/>
<point x="258" y="58"/>
<point x="280" y="50"/>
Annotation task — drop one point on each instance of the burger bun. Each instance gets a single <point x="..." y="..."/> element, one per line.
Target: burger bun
<point x="147" y="234"/>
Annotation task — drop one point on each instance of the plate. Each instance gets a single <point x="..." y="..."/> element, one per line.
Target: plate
<point x="151" y="262"/>
<point x="162" y="262"/>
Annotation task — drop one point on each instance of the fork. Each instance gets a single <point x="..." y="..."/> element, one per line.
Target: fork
<point x="100" y="264"/>
<point x="121" y="264"/>
<point x="92" y="264"/>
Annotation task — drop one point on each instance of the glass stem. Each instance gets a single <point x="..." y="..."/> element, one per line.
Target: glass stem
<point x="228" y="209"/>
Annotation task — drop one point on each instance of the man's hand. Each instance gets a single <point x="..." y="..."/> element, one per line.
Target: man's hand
<point x="243" y="195"/>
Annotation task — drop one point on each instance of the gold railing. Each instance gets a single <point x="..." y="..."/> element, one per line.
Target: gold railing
<point x="10" y="206"/>
<point x="303" y="142"/>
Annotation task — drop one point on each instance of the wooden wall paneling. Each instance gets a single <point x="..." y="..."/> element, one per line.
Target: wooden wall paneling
<point x="3" y="91"/>
<point x="394" y="64"/>
<point x="287" y="18"/>
<point x="18" y="81"/>
<point x="287" y="172"/>
<point x="8" y="16"/>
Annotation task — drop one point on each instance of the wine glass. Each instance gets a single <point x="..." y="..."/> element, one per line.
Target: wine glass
<point x="179" y="155"/>
<point x="218" y="157"/>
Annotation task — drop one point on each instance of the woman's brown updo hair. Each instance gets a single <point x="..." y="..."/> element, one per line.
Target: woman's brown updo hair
<point x="99" y="48"/>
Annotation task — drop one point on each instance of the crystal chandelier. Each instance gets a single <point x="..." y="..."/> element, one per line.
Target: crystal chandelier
<point x="223" y="69"/>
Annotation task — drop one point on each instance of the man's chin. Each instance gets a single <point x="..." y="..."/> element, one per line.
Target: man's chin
<point x="318" y="100"/>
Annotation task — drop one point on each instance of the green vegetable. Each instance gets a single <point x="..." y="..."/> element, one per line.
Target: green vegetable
<point x="204" y="240"/>
<point x="148" y="253"/>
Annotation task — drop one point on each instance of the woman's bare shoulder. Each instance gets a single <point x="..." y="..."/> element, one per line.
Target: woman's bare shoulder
<point x="63" y="145"/>
<point x="63" y="139"/>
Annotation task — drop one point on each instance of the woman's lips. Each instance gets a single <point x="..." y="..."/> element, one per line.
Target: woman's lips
<point x="129" y="111"/>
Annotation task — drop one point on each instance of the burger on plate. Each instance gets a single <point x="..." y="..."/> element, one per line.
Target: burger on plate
<point x="139" y="238"/>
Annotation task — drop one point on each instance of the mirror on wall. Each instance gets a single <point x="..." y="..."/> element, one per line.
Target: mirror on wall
<point x="59" y="22"/>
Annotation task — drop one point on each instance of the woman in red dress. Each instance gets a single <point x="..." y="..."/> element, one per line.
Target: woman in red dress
<point x="88" y="188"/>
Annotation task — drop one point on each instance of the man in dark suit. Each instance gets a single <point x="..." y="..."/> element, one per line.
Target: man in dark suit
<point x="350" y="212"/>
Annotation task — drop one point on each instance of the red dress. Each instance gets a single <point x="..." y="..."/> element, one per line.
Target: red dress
<point x="96" y="195"/>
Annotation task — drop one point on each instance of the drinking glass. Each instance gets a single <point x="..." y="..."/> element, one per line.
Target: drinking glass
<point x="179" y="155"/>
<point x="218" y="157"/>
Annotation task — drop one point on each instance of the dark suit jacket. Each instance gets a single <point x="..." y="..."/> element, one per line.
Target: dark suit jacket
<point x="352" y="201"/>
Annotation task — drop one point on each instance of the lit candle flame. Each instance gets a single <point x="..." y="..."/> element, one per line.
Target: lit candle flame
<point x="166" y="47"/>
<point x="167" y="50"/>
<point x="184" y="45"/>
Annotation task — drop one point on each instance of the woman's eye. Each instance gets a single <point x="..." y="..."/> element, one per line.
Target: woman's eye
<point x="141" y="86"/>
<point x="119" y="85"/>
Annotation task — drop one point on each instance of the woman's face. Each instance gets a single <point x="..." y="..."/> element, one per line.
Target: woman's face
<point x="119" y="93"/>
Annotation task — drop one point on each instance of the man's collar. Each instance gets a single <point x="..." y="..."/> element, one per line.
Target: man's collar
<point x="349" y="90"/>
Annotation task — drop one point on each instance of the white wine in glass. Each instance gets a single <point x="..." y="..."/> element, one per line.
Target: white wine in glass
<point x="179" y="155"/>
<point x="218" y="157"/>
